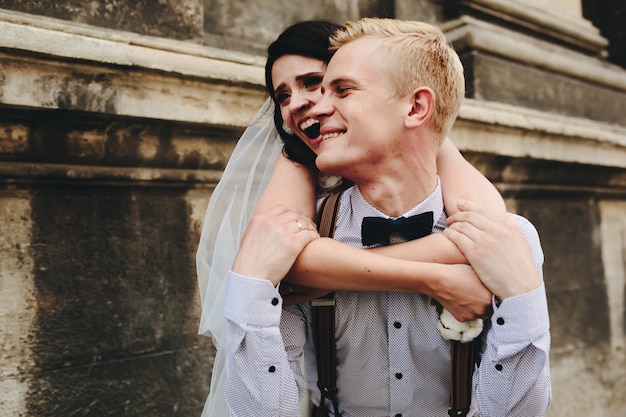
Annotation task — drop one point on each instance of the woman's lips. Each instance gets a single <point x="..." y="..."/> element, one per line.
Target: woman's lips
<point x="311" y="128"/>
<point x="313" y="131"/>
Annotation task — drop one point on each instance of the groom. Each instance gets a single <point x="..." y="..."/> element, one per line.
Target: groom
<point x="382" y="121"/>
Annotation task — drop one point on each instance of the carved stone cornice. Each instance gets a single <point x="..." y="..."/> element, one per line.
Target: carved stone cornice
<point x="470" y="33"/>
<point x="512" y="131"/>
<point x="541" y="20"/>
<point x="48" y="63"/>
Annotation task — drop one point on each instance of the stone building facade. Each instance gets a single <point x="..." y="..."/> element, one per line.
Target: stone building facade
<point x="118" y="116"/>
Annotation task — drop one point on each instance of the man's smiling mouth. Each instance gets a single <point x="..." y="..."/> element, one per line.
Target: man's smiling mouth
<point x="331" y="135"/>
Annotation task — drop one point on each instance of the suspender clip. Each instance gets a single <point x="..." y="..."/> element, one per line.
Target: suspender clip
<point x="323" y="302"/>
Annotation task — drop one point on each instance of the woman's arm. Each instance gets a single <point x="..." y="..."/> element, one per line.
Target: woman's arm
<point x="293" y="185"/>
<point x="327" y="264"/>
<point x="332" y="265"/>
<point x="460" y="180"/>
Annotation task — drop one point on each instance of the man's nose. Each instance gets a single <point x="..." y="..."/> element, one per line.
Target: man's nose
<point x="322" y="108"/>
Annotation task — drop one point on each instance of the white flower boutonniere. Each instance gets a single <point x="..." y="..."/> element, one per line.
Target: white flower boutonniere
<point x="452" y="329"/>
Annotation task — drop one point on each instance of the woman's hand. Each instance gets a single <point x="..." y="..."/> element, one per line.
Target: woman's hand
<point x="272" y="242"/>
<point x="495" y="247"/>
<point x="461" y="292"/>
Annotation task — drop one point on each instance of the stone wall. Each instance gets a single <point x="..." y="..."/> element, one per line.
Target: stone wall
<point x="110" y="143"/>
<point x="117" y="118"/>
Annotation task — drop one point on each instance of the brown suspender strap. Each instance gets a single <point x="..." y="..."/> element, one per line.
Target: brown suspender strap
<point x="323" y="310"/>
<point x="461" y="369"/>
<point x="324" y="328"/>
<point x="326" y="215"/>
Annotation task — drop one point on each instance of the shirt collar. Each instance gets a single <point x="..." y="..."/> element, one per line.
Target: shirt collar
<point x="434" y="202"/>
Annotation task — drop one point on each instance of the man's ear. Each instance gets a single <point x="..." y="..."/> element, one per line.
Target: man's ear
<point x="422" y="107"/>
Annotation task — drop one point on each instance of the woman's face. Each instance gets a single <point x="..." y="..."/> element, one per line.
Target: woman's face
<point x="296" y="81"/>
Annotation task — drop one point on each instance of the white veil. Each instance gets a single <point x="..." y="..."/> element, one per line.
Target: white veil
<point x="230" y="209"/>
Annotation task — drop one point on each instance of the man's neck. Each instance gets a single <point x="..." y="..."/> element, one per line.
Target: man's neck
<point x="395" y="196"/>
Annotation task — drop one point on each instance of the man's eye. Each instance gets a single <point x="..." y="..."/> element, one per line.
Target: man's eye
<point x="342" y="91"/>
<point x="312" y="82"/>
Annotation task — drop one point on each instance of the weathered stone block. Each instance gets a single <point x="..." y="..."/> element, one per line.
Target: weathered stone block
<point x="80" y="139"/>
<point x="250" y="25"/>
<point x="164" y="384"/>
<point x="573" y="272"/>
<point x="174" y="19"/>
<point x="116" y="307"/>
<point x="491" y="78"/>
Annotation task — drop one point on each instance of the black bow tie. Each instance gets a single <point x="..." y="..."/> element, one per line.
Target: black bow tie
<point x="378" y="230"/>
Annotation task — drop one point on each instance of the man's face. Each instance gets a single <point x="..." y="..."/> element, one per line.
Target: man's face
<point x="360" y="120"/>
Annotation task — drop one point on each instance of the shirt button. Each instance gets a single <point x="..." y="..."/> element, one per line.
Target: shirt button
<point x="274" y="301"/>
<point x="398" y="415"/>
<point x="498" y="367"/>
<point x="272" y="368"/>
<point x="399" y="375"/>
<point x="500" y="321"/>
<point x="397" y="324"/>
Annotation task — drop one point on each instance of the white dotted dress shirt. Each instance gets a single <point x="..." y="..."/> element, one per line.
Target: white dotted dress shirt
<point x="391" y="359"/>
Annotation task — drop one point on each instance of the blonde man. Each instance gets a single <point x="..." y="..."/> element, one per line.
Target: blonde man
<point x="391" y="93"/>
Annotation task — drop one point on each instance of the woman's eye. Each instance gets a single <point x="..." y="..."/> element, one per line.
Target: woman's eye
<point x="282" y="98"/>
<point x="312" y="82"/>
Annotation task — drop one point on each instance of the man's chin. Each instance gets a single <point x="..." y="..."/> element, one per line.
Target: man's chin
<point x="326" y="163"/>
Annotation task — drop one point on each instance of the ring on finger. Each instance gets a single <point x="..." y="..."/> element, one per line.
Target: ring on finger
<point x="299" y="225"/>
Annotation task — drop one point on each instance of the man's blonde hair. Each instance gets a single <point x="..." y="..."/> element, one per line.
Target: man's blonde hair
<point x="417" y="54"/>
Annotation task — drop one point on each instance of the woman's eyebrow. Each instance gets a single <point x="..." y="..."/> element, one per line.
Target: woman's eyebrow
<point x="303" y="77"/>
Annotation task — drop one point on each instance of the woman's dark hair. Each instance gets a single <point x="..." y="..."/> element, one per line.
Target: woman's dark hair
<point x="310" y="39"/>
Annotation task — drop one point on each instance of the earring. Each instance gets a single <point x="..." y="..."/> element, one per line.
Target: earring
<point x="287" y="129"/>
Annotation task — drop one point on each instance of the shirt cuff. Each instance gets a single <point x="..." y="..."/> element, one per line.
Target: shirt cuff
<point x="522" y="317"/>
<point x="252" y="301"/>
